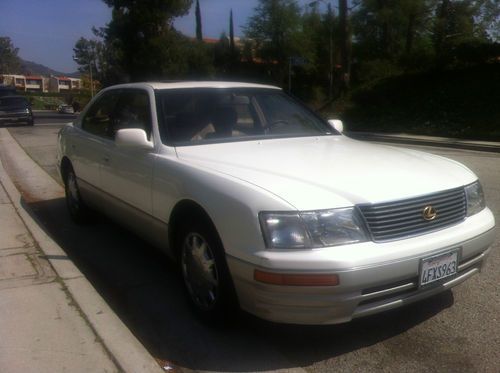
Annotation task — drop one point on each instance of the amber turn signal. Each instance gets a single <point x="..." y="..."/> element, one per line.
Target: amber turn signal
<point x="295" y="279"/>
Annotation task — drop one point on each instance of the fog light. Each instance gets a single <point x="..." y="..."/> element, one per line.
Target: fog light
<point x="288" y="279"/>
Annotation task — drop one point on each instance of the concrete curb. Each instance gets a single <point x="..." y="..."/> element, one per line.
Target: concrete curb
<point x="484" y="146"/>
<point x="128" y="353"/>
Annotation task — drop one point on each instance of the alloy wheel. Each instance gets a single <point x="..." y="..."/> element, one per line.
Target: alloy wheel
<point x="72" y="193"/>
<point x="199" y="270"/>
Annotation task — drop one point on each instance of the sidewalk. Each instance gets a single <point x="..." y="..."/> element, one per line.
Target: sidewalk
<point x="51" y="318"/>
<point x="402" y="138"/>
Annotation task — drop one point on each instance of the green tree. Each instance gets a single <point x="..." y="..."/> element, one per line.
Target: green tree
<point x="488" y="16"/>
<point x="319" y="42"/>
<point x="345" y="42"/>
<point x="414" y="15"/>
<point x="9" y="61"/>
<point x="145" y="43"/>
<point x="389" y="28"/>
<point x="460" y="23"/>
<point x="222" y="55"/>
<point x="99" y="55"/>
<point x="393" y="36"/>
<point x="274" y="27"/>
<point x="86" y="55"/>
<point x="196" y="60"/>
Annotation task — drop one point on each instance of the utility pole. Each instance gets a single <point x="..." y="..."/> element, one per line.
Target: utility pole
<point x="199" y="34"/>
<point x="231" y="33"/>
<point x="91" y="59"/>
<point x="91" y="80"/>
<point x="289" y="74"/>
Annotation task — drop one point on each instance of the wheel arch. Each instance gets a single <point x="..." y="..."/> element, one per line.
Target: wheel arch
<point x="65" y="167"/>
<point x="183" y="211"/>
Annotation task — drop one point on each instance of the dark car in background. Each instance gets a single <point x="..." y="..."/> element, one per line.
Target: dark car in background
<point x="6" y="90"/>
<point x="15" y="109"/>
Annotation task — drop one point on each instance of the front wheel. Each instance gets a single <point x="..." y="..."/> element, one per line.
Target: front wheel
<point x="77" y="208"/>
<point x="206" y="277"/>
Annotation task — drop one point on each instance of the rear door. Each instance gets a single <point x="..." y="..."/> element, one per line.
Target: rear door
<point x="92" y="143"/>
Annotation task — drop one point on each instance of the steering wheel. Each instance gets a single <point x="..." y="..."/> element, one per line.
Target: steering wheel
<point x="276" y="123"/>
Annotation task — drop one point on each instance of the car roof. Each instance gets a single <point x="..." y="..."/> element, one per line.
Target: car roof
<point x="9" y="88"/>
<point x="13" y="97"/>
<point x="195" y="84"/>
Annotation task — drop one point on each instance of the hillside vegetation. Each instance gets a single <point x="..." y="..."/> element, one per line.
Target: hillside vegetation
<point x="462" y="103"/>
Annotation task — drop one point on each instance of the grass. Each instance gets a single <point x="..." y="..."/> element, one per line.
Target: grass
<point x="40" y="102"/>
<point x="462" y="103"/>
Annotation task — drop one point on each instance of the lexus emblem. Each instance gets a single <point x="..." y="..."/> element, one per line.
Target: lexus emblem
<point x="429" y="213"/>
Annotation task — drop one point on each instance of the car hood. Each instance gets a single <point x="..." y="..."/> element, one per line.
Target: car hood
<point x="13" y="109"/>
<point x="330" y="171"/>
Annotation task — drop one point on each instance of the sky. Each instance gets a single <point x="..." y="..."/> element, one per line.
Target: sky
<point x="45" y="31"/>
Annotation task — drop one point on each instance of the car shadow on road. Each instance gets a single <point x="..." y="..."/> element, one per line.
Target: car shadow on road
<point x="14" y="125"/>
<point x="144" y="288"/>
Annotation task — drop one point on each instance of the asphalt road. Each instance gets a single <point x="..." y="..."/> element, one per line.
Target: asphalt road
<point x="457" y="331"/>
<point x="47" y="117"/>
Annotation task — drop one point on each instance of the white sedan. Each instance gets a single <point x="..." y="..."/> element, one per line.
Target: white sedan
<point x="267" y="207"/>
<point x="65" y="109"/>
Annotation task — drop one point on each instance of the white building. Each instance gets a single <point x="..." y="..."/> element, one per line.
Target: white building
<point x="64" y="84"/>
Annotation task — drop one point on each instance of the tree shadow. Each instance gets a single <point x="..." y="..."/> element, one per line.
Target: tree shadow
<point x="144" y="288"/>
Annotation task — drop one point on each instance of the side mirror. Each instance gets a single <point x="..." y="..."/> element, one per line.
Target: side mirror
<point x="133" y="138"/>
<point x="336" y="124"/>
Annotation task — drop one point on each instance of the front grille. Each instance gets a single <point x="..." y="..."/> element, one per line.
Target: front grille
<point x="10" y="115"/>
<point x="398" y="219"/>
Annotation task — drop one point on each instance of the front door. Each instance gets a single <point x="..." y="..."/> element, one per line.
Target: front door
<point x="126" y="173"/>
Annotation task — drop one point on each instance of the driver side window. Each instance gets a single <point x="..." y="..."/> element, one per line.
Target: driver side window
<point x="117" y="110"/>
<point x="133" y="111"/>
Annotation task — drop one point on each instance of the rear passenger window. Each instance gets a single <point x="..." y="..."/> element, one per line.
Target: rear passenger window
<point x="99" y="119"/>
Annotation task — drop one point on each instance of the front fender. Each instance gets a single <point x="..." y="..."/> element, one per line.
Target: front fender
<point x="232" y="204"/>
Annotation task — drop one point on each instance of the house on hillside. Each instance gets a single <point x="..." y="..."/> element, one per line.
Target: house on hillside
<point x="64" y="84"/>
<point x="35" y="84"/>
<point x="38" y="83"/>
<point x="16" y="81"/>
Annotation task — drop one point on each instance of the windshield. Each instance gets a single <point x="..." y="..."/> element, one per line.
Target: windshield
<point x="197" y="116"/>
<point x="13" y="102"/>
<point x="7" y="91"/>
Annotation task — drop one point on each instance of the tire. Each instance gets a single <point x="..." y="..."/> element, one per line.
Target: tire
<point x="207" y="282"/>
<point x="77" y="208"/>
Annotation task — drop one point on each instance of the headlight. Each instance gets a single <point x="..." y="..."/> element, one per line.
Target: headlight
<point x="475" y="198"/>
<point x="308" y="229"/>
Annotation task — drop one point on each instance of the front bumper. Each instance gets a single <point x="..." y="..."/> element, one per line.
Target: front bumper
<point x="364" y="289"/>
<point x="9" y="118"/>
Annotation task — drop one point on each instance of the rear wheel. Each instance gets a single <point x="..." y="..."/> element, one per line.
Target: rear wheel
<point x="204" y="269"/>
<point x="77" y="208"/>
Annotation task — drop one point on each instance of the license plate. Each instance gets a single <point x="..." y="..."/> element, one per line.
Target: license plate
<point x="438" y="267"/>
